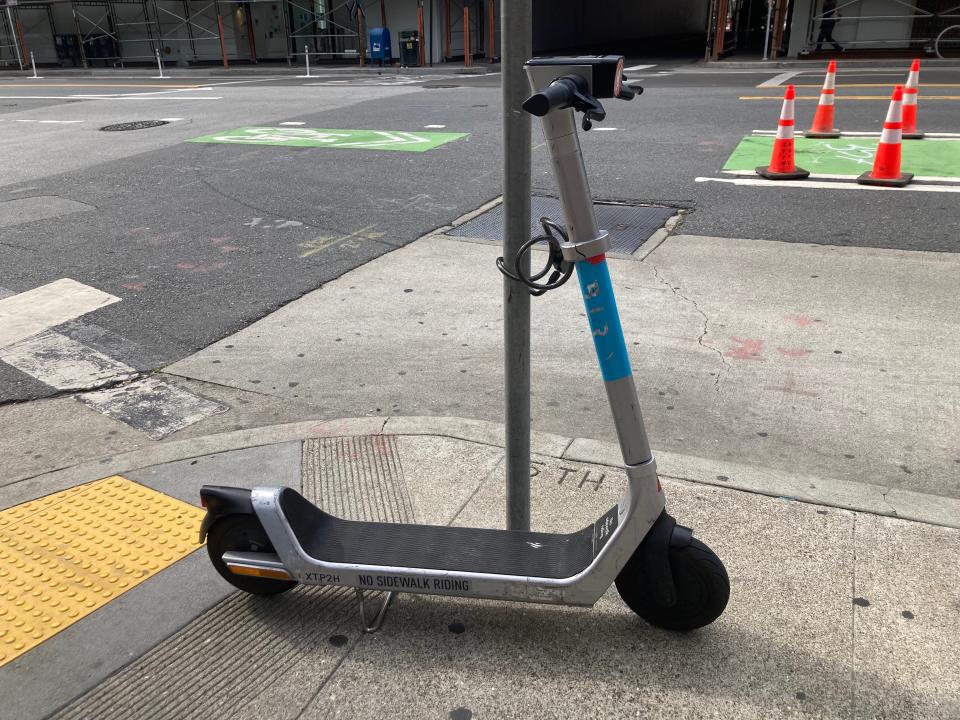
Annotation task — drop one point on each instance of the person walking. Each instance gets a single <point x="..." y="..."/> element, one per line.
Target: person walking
<point x="828" y="20"/>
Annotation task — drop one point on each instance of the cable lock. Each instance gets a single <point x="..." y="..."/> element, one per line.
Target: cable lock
<point x="562" y="269"/>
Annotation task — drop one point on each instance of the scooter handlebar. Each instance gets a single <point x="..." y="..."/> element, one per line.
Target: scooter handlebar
<point x="559" y="94"/>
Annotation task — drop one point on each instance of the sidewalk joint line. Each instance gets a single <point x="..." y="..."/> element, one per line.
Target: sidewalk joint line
<point x="853" y="622"/>
<point x="482" y="482"/>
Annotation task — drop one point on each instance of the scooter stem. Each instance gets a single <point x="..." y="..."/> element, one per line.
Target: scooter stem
<point x="563" y="143"/>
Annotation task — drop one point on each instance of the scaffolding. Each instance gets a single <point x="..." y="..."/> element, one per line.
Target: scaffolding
<point x="114" y="31"/>
<point x="122" y="32"/>
<point x="926" y="20"/>
<point x="23" y="23"/>
<point x="9" y="46"/>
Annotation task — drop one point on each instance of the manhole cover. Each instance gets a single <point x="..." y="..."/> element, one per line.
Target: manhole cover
<point x="629" y="225"/>
<point x="135" y="125"/>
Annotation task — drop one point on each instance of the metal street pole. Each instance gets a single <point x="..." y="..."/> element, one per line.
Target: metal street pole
<point x="516" y="40"/>
<point x="766" y="37"/>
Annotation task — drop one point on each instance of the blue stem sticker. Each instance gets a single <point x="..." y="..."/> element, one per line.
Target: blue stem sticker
<point x="604" y="319"/>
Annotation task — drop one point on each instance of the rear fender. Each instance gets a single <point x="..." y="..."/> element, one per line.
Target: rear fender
<point x="219" y="501"/>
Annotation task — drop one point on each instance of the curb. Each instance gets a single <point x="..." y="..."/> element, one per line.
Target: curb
<point x="280" y="70"/>
<point x="860" y="497"/>
<point x="865" y="63"/>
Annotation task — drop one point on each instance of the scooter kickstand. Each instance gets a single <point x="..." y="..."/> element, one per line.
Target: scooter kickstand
<point x="372" y="627"/>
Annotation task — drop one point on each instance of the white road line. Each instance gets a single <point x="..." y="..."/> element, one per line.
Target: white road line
<point x="152" y="405"/>
<point x="433" y="127"/>
<point x="812" y="184"/>
<point x="63" y="363"/>
<point x="160" y="92"/>
<point x="874" y="133"/>
<point x="778" y="80"/>
<point x="292" y="123"/>
<point x="244" y="82"/>
<point x="132" y="96"/>
<point x="100" y="97"/>
<point x="49" y="122"/>
<point x="832" y="176"/>
<point x="634" y="68"/>
<point x="171" y="119"/>
<point x="605" y="129"/>
<point x="34" y="311"/>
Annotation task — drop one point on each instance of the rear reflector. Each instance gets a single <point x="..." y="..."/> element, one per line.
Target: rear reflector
<point x="272" y="573"/>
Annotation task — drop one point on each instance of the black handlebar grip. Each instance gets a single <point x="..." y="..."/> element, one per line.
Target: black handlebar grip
<point x="557" y="95"/>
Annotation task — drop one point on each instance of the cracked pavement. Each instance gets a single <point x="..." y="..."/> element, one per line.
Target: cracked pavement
<point x="675" y="289"/>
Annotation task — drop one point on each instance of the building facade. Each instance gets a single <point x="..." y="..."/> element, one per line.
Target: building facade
<point x="185" y="32"/>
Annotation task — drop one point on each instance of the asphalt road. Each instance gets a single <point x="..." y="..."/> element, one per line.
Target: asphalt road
<point x="200" y="240"/>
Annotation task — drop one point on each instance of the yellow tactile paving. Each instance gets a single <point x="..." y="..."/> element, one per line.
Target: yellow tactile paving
<point x="65" y="555"/>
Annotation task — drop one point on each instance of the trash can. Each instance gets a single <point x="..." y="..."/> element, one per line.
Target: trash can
<point x="380" y="45"/>
<point x="409" y="48"/>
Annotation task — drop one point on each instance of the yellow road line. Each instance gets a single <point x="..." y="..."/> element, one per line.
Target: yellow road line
<point x="65" y="555"/>
<point x="845" y="98"/>
<point x="94" y="85"/>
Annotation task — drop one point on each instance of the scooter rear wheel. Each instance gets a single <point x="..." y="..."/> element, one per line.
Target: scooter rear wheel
<point x="701" y="583"/>
<point x="242" y="533"/>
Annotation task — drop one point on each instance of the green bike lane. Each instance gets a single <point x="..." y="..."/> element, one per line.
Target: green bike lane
<point x="849" y="157"/>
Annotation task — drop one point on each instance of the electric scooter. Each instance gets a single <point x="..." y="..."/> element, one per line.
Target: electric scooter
<point x="268" y="540"/>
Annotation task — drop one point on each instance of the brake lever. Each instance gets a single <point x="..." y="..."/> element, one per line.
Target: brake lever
<point x="591" y="109"/>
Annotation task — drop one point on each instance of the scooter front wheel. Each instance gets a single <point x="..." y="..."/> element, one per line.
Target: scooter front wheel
<point x="700" y="581"/>
<point x="242" y="533"/>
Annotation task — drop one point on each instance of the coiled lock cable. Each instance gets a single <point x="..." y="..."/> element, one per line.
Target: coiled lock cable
<point x="562" y="269"/>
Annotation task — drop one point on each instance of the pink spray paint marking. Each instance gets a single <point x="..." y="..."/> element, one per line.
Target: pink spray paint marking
<point x="790" y="388"/>
<point x="747" y="349"/>
<point x="800" y="320"/>
<point x="793" y="352"/>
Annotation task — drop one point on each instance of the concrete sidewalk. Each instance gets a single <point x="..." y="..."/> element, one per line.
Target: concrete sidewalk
<point x="801" y="401"/>
<point x="833" y="613"/>
<point x="803" y="361"/>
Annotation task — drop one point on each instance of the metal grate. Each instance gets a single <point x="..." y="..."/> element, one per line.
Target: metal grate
<point x="135" y="125"/>
<point x="629" y="225"/>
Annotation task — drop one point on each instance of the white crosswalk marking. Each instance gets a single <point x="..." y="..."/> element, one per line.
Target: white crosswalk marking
<point x="778" y="80"/>
<point x="32" y="312"/>
<point x="152" y="405"/>
<point x="63" y="363"/>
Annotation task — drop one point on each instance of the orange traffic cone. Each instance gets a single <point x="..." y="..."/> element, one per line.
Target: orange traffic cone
<point x="823" y="119"/>
<point x="910" y="93"/>
<point x="886" y="165"/>
<point x="782" y="165"/>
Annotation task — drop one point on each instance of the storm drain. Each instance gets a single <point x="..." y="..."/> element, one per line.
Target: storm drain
<point x="135" y="125"/>
<point x="629" y="225"/>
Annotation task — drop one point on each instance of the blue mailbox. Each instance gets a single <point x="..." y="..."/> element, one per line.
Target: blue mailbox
<point x="380" y="45"/>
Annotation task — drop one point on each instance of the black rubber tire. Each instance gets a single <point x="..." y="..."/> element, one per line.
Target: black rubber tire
<point x="701" y="583"/>
<point x="242" y="533"/>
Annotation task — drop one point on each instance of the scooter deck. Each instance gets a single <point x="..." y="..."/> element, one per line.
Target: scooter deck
<point x="440" y="547"/>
